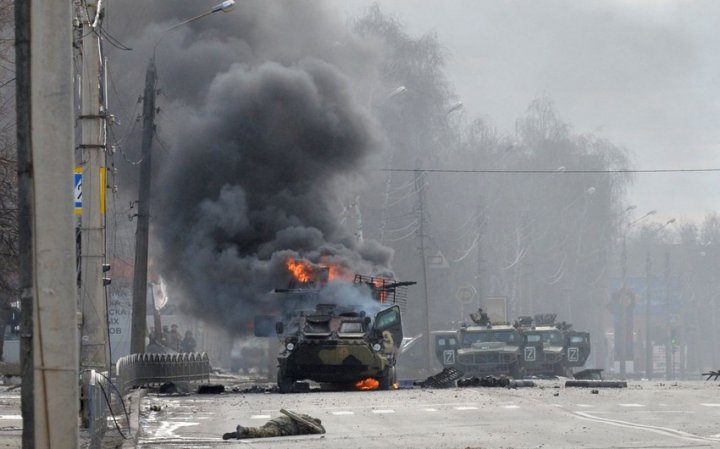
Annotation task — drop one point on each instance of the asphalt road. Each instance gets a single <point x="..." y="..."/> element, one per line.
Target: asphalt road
<point x="644" y="415"/>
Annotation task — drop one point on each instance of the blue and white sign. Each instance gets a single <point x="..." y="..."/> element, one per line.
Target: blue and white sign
<point x="77" y="192"/>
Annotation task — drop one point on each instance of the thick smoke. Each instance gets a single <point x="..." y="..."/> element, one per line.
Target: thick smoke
<point x="264" y="142"/>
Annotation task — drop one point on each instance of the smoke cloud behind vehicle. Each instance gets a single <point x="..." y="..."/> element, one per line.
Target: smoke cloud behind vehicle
<point x="266" y="134"/>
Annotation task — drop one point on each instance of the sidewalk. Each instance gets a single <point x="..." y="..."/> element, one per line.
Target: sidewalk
<point x="10" y="417"/>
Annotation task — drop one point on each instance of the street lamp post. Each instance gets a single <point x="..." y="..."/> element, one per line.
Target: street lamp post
<point x="622" y="337"/>
<point x="139" y="298"/>
<point x="648" y="267"/>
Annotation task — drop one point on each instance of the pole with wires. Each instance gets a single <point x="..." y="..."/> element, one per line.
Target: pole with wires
<point x="139" y="292"/>
<point x="94" y="344"/>
<point x="139" y="304"/>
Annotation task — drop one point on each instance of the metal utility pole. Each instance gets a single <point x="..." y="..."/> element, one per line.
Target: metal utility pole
<point x="621" y="337"/>
<point x="420" y="188"/>
<point x="45" y="130"/>
<point x="648" y="342"/>
<point x="94" y="344"/>
<point x="139" y="298"/>
<point x="668" y="321"/>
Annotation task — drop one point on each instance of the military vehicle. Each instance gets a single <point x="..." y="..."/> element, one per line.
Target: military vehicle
<point x="551" y="349"/>
<point x="342" y="344"/>
<point x="482" y="348"/>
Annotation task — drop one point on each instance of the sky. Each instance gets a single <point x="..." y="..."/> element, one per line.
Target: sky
<point x="641" y="73"/>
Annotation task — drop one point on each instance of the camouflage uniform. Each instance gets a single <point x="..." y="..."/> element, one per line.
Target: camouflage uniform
<point x="277" y="427"/>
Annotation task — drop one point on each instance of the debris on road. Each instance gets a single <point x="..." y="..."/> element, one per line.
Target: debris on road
<point x="493" y="382"/>
<point x="444" y="379"/>
<point x="596" y="383"/>
<point x="211" y="389"/>
<point x="181" y="388"/>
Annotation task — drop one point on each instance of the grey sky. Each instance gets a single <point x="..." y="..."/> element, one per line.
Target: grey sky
<point x="641" y="73"/>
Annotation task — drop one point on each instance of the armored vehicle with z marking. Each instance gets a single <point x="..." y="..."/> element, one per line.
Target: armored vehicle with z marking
<point x="551" y="349"/>
<point x="482" y="348"/>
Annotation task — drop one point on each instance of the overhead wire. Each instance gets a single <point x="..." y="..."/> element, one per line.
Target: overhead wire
<point x="555" y="172"/>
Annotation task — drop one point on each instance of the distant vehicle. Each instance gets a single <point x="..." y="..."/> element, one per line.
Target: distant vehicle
<point x="340" y="346"/>
<point x="481" y="349"/>
<point x="551" y="349"/>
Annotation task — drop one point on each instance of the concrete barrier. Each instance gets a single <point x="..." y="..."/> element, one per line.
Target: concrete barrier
<point x="140" y="370"/>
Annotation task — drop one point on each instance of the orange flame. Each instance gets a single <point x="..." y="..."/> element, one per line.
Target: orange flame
<point x="368" y="384"/>
<point x="382" y="293"/>
<point x="301" y="269"/>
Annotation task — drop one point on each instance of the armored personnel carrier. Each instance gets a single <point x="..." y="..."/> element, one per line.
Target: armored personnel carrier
<point x="482" y="348"/>
<point x="551" y="349"/>
<point x="348" y="344"/>
<point x="340" y="346"/>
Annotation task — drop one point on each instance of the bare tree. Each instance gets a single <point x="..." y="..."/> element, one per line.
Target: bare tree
<point x="8" y="171"/>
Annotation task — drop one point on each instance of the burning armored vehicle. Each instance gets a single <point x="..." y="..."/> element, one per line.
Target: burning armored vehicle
<point x="349" y="337"/>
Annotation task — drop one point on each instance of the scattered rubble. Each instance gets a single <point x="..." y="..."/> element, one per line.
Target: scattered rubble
<point x="596" y="383"/>
<point x="444" y="379"/>
<point x="211" y="389"/>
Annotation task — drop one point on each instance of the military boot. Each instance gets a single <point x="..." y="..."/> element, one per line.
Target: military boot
<point x="240" y="432"/>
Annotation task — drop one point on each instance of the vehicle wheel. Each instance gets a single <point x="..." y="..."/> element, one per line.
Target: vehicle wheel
<point x="285" y="384"/>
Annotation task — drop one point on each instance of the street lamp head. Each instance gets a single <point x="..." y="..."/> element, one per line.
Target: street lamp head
<point x="397" y="91"/>
<point x="652" y="212"/>
<point x="670" y="221"/>
<point x="629" y="208"/>
<point x="455" y="107"/>
<point x="225" y="6"/>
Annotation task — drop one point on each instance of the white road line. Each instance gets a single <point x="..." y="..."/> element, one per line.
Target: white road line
<point x="342" y="412"/>
<point x="431" y="410"/>
<point x="655" y="429"/>
<point x="631" y="405"/>
<point x="260" y="417"/>
<point x="557" y="405"/>
<point x="10" y="417"/>
<point x="510" y="406"/>
<point x="468" y="407"/>
<point x="709" y="405"/>
<point x="380" y="412"/>
<point x="584" y="405"/>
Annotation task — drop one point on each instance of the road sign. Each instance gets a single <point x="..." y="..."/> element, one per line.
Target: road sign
<point x="78" y="190"/>
<point x="466" y="294"/>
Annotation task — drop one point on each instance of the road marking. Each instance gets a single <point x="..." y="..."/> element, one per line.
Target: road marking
<point x="342" y="412"/>
<point x="709" y="405"/>
<point x="510" y="406"/>
<point x="655" y="429"/>
<point x="468" y="407"/>
<point x="430" y="409"/>
<point x="10" y="417"/>
<point x="557" y="405"/>
<point x="631" y="405"/>
<point x="383" y="411"/>
<point x="260" y="417"/>
<point x="584" y="405"/>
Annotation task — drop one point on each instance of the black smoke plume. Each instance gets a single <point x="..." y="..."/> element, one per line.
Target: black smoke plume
<point x="264" y="142"/>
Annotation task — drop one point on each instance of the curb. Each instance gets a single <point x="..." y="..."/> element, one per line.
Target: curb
<point x="134" y="400"/>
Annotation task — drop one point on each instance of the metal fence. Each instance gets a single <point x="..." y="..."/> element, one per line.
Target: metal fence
<point x="138" y="370"/>
<point x="98" y="402"/>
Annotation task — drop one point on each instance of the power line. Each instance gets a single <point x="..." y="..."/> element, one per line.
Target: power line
<point x="556" y="172"/>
